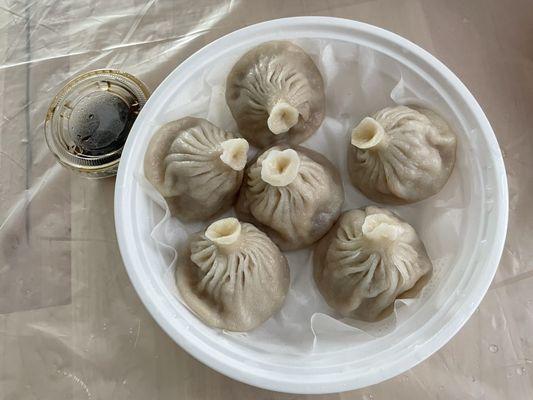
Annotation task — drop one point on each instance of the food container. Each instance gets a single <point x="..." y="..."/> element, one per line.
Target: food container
<point x="90" y="118"/>
<point x="484" y="224"/>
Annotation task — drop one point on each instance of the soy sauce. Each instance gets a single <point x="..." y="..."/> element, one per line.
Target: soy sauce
<point x="100" y="122"/>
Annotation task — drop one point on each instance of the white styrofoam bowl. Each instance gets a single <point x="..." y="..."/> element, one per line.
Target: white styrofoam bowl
<point x="427" y="331"/>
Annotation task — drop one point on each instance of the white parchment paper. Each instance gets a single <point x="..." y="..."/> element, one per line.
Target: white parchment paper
<point x="358" y="82"/>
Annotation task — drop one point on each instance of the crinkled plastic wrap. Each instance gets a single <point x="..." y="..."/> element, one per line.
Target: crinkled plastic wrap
<point x="71" y="325"/>
<point x="358" y="81"/>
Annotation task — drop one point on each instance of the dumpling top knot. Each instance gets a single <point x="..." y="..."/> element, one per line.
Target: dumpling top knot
<point x="368" y="134"/>
<point x="381" y="228"/>
<point x="280" y="168"/>
<point x="275" y="92"/>
<point x="234" y="153"/>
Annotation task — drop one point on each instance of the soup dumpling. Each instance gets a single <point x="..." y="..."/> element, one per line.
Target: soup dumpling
<point x="294" y="194"/>
<point x="276" y="93"/>
<point x="232" y="275"/>
<point x="196" y="166"/>
<point x="401" y="155"/>
<point x="368" y="259"/>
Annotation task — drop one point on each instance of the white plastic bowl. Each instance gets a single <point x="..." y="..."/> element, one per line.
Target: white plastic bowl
<point x="428" y="330"/>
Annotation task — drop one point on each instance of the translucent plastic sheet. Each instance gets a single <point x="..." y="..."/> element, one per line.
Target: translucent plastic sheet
<point x="72" y="327"/>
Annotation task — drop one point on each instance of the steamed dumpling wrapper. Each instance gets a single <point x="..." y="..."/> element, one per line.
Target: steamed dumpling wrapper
<point x="276" y="93"/>
<point x="293" y="194"/>
<point x="196" y="166"/>
<point x="368" y="259"/>
<point x="401" y="155"/>
<point x="232" y="275"/>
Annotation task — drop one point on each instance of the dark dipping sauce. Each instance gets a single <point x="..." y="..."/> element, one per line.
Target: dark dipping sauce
<point x="100" y="123"/>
